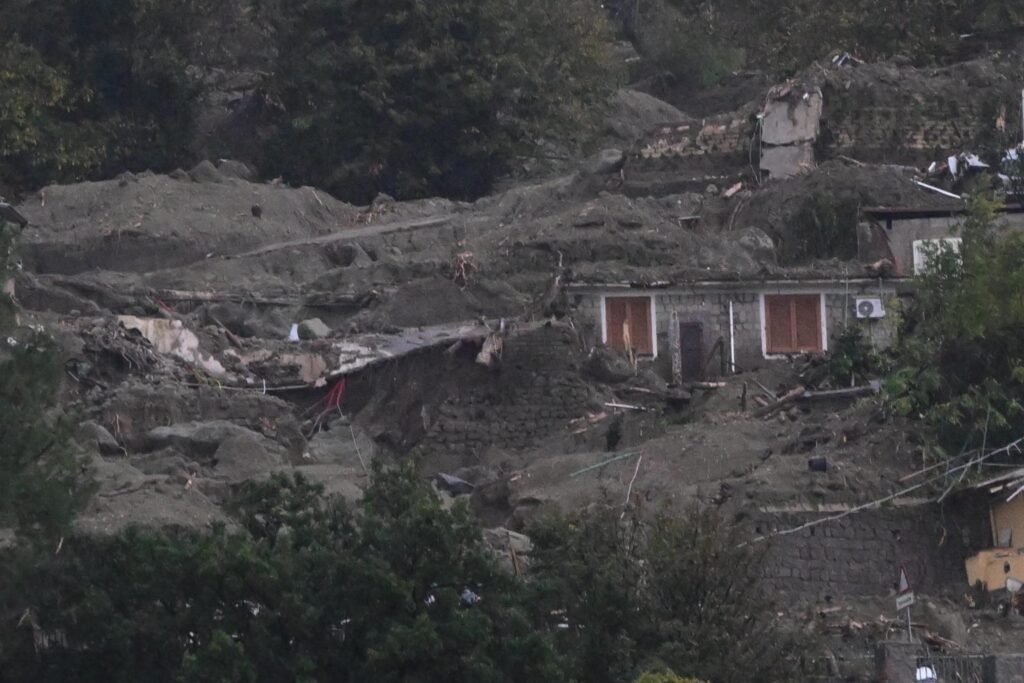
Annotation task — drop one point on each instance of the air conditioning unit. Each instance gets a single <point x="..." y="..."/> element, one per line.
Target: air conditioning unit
<point x="870" y="307"/>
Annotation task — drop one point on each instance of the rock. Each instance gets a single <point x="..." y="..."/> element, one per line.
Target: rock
<point x="235" y="169"/>
<point x="342" y="445"/>
<point x="314" y="328"/>
<point x="711" y="189"/>
<point x="631" y="114"/>
<point x="604" y="162"/>
<point x="205" y="172"/>
<point x="628" y="220"/>
<point x="592" y="216"/>
<point x="347" y="254"/>
<point x="96" y="435"/>
<point x="179" y="175"/>
<point x="197" y="439"/>
<point x="245" y="456"/>
<point x="609" y="367"/>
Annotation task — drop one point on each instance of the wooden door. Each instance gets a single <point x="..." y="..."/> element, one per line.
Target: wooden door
<point x="691" y="348"/>
<point x="628" y="321"/>
<point x="793" y="323"/>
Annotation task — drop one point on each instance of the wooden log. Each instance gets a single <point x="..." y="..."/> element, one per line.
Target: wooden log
<point x="789" y="398"/>
<point x="852" y="392"/>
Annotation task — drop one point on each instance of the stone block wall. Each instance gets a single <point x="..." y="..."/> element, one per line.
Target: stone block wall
<point x="860" y="555"/>
<point x="893" y="133"/>
<point x="536" y="392"/>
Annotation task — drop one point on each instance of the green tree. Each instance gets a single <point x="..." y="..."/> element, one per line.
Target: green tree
<point x="311" y="591"/>
<point x="416" y="98"/>
<point x="95" y="87"/>
<point x="679" y="592"/>
<point x="40" y="483"/>
<point x="962" y="353"/>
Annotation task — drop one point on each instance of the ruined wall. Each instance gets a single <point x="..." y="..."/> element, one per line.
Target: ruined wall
<point x="710" y="308"/>
<point x="860" y="555"/>
<point x="536" y="392"/>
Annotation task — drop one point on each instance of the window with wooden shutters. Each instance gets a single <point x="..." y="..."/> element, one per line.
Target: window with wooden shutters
<point x="628" y="323"/>
<point x="793" y="323"/>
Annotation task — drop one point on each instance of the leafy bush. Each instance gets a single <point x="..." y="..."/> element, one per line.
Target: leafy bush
<point x="418" y="98"/>
<point x="852" y="358"/>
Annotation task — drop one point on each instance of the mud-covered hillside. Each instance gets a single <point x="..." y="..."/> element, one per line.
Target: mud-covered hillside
<point x="696" y="325"/>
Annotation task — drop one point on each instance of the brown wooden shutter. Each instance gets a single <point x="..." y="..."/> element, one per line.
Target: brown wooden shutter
<point x="616" y="313"/>
<point x="635" y="312"/>
<point x="778" y="326"/>
<point x="793" y="323"/>
<point x="807" y="318"/>
<point x="640" y="325"/>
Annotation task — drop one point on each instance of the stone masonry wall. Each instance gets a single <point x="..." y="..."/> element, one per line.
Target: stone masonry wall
<point x="536" y="391"/>
<point x="860" y="555"/>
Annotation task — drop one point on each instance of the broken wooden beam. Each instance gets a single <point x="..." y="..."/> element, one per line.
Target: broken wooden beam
<point x="781" y="403"/>
<point x="852" y="392"/>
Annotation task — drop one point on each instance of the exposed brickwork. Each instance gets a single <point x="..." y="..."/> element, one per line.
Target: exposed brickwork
<point x="859" y="555"/>
<point x="536" y="392"/>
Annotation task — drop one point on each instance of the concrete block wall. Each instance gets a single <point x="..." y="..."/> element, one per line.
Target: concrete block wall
<point x="860" y="555"/>
<point x="536" y="392"/>
<point x="711" y="310"/>
<point x="883" y="333"/>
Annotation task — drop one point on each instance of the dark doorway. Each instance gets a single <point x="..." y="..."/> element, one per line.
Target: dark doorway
<point x="691" y="347"/>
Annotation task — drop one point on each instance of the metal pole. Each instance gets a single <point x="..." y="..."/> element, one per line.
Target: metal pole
<point x="732" y="340"/>
<point x="910" y="628"/>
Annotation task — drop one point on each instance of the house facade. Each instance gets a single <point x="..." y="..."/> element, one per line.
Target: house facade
<point x="726" y="326"/>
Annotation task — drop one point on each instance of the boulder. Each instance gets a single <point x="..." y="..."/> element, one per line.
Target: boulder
<point x="314" y="328"/>
<point x="195" y="439"/>
<point x="205" y="172"/>
<point x="235" y="169"/>
<point x="96" y="436"/>
<point x="347" y="254"/>
<point x="592" y="216"/>
<point x="245" y="456"/>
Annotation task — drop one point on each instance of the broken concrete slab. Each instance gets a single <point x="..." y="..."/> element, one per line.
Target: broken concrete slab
<point x="171" y="337"/>
<point x="787" y="161"/>
<point x="792" y="119"/>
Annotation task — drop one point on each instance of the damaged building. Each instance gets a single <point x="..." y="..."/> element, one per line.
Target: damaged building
<point x="733" y="325"/>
